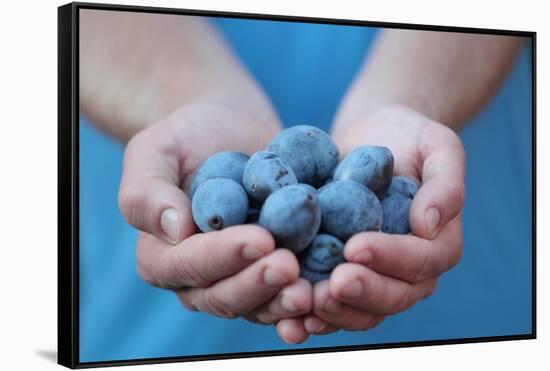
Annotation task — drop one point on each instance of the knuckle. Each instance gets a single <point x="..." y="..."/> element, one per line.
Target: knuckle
<point x="148" y="273"/>
<point x="373" y="293"/>
<point x="422" y="270"/>
<point x="132" y="201"/>
<point x="405" y="301"/>
<point x="457" y="195"/>
<point x="186" y="273"/>
<point x="213" y="305"/>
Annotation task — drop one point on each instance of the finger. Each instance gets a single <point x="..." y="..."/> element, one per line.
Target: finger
<point x="316" y="326"/>
<point x="407" y="257"/>
<point x="149" y="196"/>
<point x="203" y="258"/>
<point x="338" y="314"/>
<point x="378" y="321"/>
<point x="291" y="301"/>
<point x="441" y="196"/>
<point x="291" y="330"/>
<point x="367" y="290"/>
<point x="246" y="290"/>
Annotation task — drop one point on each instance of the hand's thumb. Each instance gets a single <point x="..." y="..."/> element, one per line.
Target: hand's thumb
<point x="149" y="196"/>
<point x="441" y="195"/>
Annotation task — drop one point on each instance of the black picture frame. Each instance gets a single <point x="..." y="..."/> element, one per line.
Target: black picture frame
<point x="68" y="183"/>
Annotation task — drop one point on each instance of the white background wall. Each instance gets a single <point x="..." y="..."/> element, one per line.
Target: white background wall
<point x="28" y="183"/>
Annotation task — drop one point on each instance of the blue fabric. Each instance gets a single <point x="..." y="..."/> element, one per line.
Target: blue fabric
<point x="305" y="69"/>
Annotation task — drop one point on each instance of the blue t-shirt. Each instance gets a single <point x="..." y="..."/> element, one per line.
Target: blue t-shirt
<point x="305" y="70"/>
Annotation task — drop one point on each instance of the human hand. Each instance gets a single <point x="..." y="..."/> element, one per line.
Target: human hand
<point x="227" y="273"/>
<point x="386" y="274"/>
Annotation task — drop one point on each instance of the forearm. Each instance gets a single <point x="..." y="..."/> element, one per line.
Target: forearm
<point x="446" y="76"/>
<point x="136" y="68"/>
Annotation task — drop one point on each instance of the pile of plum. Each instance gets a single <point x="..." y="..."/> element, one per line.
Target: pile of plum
<point x="299" y="191"/>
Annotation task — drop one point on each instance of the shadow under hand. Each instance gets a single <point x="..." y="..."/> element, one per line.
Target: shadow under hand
<point x="50" y="355"/>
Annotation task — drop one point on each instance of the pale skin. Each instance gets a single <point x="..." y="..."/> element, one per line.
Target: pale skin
<point x="178" y="98"/>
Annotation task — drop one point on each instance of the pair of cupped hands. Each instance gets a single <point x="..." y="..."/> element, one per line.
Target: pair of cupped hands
<point x="239" y="271"/>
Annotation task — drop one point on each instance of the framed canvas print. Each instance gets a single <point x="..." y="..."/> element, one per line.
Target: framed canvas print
<point x="243" y="185"/>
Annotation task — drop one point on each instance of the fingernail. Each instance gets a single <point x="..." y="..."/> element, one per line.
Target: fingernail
<point x="274" y="278"/>
<point x="364" y="257"/>
<point x="290" y="341"/>
<point x="169" y="223"/>
<point x="332" y="306"/>
<point x="288" y="304"/>
<point x="353" y="290"/>
<point x="251" y="253"/>
<point x="314" y="326"/>
<point x="432" y="221"/>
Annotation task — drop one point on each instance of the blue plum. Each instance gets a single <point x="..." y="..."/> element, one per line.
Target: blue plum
<point x="404" y="186"/>
<point x="323" y="254"/>
<point x="396" y="204"/>
<point x="308" y="188"/>
<point x="292" y="215"/>
<point x="312" y="276"/>
<point x="348" y="208"/>
<point x="225" y="164"/>
<point x="309" y="151"/>
<point x="219" y="203"/>
<point x="252" y="215"/>
<point x="264" y="173"/>
<point x="371" y="166"/>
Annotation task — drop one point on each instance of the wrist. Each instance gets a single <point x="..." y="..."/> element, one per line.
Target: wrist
<point x="127" y="111"/>
<point x="353" y="121"/>
<point x="224" y="119"/>
<point x="122" y="107"/>
<point x="373" y="92"/>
